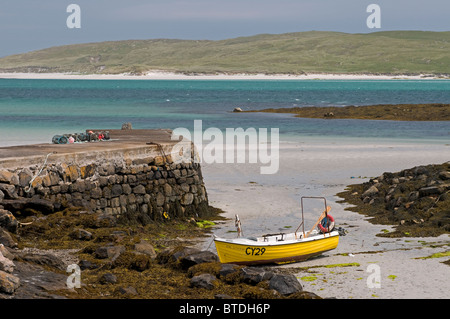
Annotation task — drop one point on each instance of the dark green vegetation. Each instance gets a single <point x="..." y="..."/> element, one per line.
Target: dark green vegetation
<point x="130" y="261"/>
<point x="399" y="112"/>
<point x="416" y="200"/>
<point x="392" y="52"/>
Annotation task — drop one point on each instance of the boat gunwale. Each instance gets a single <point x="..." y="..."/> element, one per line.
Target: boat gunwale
<point x="250" y="242"/>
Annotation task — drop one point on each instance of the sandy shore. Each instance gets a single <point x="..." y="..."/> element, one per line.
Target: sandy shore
<point x="163" y="75"/>
<point x="271" y="203"/>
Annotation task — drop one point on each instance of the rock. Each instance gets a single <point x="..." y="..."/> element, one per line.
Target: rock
<point x="8" y="221"/>
<point x="116" y="190"/>
<point x="8" y="282"/>
<point x="9" y="191"/>
<point x="111" y="252"/>
<point x="419" y="170"/>
<point x="105" y="220"/>
<point x="140" y="189"/>
<point x="128" y="290"/>
<point x="86" y="264"/>
<point x="108" y="278"/>
<point x="172" y="255"/>
<point x="42" y="260"/>
<point x="8" y="177"/>
<point x="431" y="190"/>
<point x="6" y="264"/>
<point x="197" y="258"/>
<point x="6" y="239"/>
<point x="285" y="284"/>
<point x="20" y="204"/>
<point x="413" y="196"/>
<point x="187" y="199"/>
<point x="370" y="192"/>
<point x="203" y="281"/>
<point x="227" y="269"/>
<point x="127" y="126"/>
<point x="144" y="247"/>
<point x="237" y="109"/>
<point x="444" y="175"/>
<point x="39" y="283"/>
<point x="5" y="252"/>
<point x="160" y="199"/>
<point x="2" y="196"/>
<point x="81" y="234"/>
<point x="254" y="276"/>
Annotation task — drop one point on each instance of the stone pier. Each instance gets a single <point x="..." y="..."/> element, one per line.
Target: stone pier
<point x="131" y="176"/>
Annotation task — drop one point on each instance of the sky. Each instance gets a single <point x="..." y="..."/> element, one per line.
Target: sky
<point x="27" y="25"/>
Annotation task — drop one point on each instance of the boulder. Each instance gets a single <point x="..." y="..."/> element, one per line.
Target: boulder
<point x="197" y="258"/>
<point x="203" y="281"/>
<point x="111" y="252"/>
<point x="227" y="269"/>
<point x="81" y="234"/>
<point x="8" y="282"/>
<point x="444" y="175"/>
<point x="128" y="291"/>
<point x="108" y="278"/>
<point x="6" y="264"/>
<point x="6" y="239"/>
<point x="173" y="255"/>
<point x="86" y="264"/>
<point x="144" y="247"/>
<point x="5" y="252"/>
<point x="237" y="109"/>
<point x="42" y="259"/>
<point x="8" y="221"/>
<point x="370" y="192"/>
<point x="285" y="284"/>
<point x="431" y="190"/>
<point x="127" y="126"/>
<point x="254" y="276"/>
<point x="20" y="203"/>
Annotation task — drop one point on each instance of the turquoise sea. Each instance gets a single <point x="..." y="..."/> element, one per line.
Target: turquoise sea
<point x="34" y="110"/>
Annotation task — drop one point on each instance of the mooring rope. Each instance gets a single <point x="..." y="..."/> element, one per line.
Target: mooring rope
<point x="28" y="188"/>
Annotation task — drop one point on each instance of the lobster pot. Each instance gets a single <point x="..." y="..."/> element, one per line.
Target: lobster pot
<point x="83" y="137"/>
<point x="59" y="139"/>
<point x="106" y="135"/>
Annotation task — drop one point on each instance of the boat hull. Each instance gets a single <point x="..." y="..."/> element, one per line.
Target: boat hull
<point x="248" y="252"/>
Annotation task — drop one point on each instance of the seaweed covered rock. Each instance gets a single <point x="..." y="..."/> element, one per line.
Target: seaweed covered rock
<point x="416" y="200"/>
<point x="285" y="284"/>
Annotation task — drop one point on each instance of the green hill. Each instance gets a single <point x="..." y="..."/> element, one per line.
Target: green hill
<point x="392" y="52"/>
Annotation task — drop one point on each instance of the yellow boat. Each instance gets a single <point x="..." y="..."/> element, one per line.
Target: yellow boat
<point x="281" y="247"/>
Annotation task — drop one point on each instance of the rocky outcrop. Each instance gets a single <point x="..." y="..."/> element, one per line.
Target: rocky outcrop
<point x="416" y="199"/>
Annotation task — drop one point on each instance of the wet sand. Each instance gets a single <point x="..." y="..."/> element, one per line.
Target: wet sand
<point x="324" y="167"/>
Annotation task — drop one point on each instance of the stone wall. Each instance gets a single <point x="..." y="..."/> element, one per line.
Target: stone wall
<point x="138" y="189"/>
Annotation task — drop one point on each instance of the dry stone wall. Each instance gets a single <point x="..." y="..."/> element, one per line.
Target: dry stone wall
<point x="133" y="190"/>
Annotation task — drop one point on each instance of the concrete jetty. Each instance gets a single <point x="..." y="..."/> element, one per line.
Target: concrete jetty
<point x="122" y="142"/>
<point x="131" y="175"/>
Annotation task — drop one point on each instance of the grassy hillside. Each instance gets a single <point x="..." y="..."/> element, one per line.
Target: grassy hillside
<point x="394" y="52"/>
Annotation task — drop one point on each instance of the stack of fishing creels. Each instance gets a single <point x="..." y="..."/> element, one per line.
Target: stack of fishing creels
<point x="81" y="137"/>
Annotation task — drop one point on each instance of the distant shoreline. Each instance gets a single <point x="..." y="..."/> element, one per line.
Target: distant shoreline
<point x="163" y="75"/>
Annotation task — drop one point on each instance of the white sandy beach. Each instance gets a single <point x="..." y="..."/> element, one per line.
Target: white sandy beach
<point x="269" y="203"/>
<point x="164" y="75"/>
